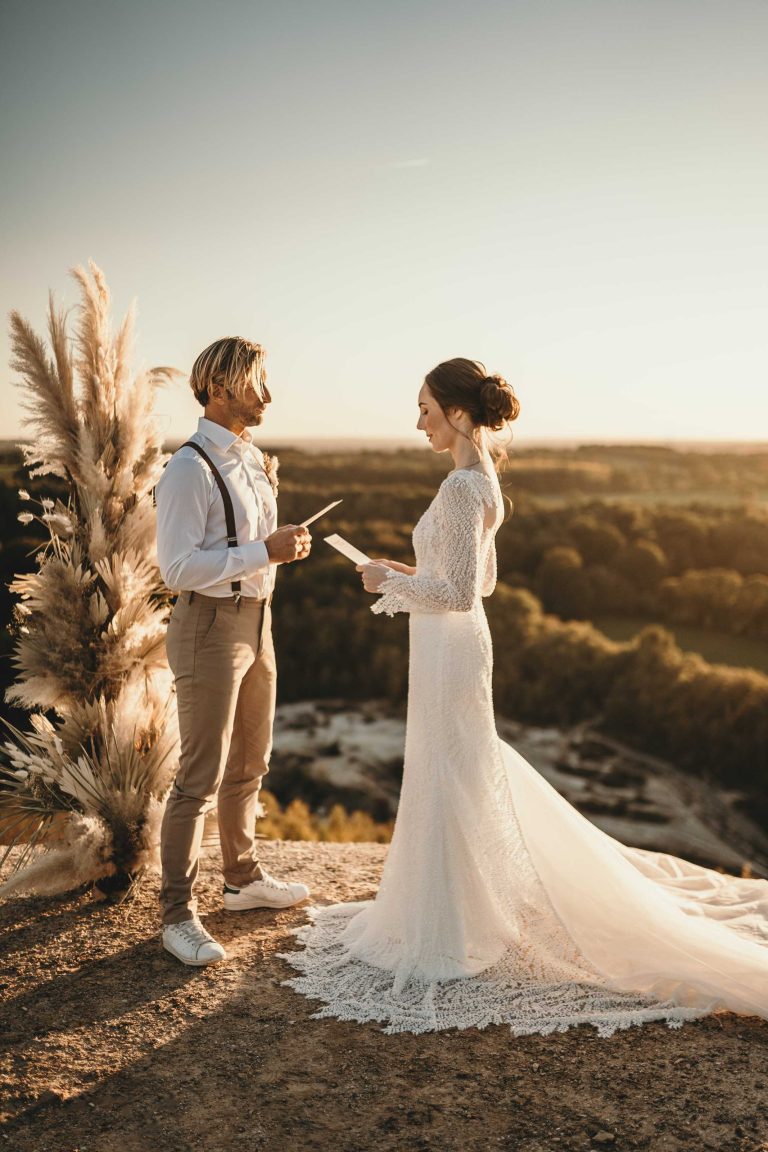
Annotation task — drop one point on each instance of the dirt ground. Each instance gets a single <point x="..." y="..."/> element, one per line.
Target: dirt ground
<point x="110" y="1045"/>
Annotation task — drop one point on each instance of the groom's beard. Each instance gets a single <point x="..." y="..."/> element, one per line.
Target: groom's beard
<point x="251" y="413"/>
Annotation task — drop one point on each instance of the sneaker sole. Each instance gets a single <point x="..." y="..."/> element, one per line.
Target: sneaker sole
<point x="192" y="963"/>
<point x="247" y="904"/>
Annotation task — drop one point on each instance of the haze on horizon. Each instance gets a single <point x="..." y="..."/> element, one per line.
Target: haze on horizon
<point x="577" y="194"/>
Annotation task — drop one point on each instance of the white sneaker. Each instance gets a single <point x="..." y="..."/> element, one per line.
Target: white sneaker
<point x="264" y="893"/>
<point x="190" y="943"/>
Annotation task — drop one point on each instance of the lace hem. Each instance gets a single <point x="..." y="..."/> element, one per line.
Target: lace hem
<point x="354" y="990"/>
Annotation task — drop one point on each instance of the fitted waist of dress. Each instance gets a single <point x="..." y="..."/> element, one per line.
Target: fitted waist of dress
<point x="472" y="613"/>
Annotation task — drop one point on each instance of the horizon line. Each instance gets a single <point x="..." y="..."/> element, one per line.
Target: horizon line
<point x="575" y="441"/>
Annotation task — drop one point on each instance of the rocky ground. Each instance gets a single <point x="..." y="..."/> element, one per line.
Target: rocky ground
<point x="110" y="1045"/>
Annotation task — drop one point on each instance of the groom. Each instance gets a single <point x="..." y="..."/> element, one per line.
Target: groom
<point x="218" y="544"/>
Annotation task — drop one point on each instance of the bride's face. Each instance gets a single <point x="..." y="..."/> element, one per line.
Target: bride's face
<point x="433" y="422"/>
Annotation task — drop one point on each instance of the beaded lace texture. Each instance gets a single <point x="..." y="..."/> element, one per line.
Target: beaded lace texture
<point x="499" y="902"/>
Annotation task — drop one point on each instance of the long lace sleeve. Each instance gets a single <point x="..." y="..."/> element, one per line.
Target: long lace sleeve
<point x="459" y="513"/>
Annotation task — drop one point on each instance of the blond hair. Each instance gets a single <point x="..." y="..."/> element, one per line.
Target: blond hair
<point x="232" y="364"/>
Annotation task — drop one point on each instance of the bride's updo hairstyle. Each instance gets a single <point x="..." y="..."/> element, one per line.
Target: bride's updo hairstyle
<point x="489" y="401"/>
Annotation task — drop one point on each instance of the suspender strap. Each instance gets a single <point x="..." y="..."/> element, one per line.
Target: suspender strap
<point x="229" y="512"/>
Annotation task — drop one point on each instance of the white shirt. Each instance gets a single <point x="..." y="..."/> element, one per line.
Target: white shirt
<point x="191" y="527"/>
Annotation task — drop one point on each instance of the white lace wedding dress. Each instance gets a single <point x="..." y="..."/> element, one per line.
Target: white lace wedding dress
<point x="499" y="902"/>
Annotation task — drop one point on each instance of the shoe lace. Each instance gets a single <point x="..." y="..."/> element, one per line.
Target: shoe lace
<point x="194" y="932"/>
<point x="270" y="882"/>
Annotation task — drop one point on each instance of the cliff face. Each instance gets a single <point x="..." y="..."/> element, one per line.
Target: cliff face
<point x="331" y="750"/>
<point x="112" y="1046"/>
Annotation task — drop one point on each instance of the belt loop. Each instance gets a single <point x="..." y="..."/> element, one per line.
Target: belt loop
<point x="190" y="598"/>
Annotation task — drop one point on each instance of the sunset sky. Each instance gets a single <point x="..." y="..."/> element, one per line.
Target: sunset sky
<point x="573" y="191"/>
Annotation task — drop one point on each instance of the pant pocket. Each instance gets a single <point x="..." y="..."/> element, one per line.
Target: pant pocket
<point x="206" y="623"/>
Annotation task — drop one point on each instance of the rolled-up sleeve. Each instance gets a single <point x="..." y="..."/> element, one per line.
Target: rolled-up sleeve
<point x="183" y="497"/>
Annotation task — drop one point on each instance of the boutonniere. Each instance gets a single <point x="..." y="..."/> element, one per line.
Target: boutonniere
<point x="271" y="465"/>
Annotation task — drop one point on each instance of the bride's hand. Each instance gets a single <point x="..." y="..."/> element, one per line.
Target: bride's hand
<point x="374" y="574"/>
<point x="396" y="566"/>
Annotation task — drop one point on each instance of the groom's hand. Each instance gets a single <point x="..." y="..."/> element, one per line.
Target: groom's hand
<point x="291" y="542"/>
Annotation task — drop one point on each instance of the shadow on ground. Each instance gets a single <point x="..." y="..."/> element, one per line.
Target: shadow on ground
<point x="112" y="1046"/>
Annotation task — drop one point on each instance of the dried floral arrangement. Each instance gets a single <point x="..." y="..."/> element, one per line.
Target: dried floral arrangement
<point x="81" y="792"/>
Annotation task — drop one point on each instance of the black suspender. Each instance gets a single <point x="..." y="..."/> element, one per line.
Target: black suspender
<point x="229" y="512"/>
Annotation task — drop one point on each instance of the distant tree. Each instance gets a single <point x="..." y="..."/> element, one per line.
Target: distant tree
<point x="751" y="608"/>
<point x="563" y="584"/>
<point x="708" y="718"/>
<point x="684" y="537"/>
<point x="611" y="592"/>
<point x="598" y="541"/>
<point x="741" y="542"/>
<point x="631" y="520"/>
<point x="707" y="598"/>
<point x="642" y="563"/>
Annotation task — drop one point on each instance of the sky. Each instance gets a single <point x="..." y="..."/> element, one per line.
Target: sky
<point x="574" y="192"/>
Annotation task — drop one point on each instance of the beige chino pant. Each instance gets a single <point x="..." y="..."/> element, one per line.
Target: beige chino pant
<point x="223" y="661"/>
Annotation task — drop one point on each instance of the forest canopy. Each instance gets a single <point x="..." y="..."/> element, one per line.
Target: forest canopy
<point x="663" y="537"/>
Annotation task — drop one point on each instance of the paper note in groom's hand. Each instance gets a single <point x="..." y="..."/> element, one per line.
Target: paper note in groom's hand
<point x="347" y="549"/>
<point x="317" y="515"/>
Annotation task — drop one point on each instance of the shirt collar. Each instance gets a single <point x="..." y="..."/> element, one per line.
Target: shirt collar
<point x="222" y="437"/>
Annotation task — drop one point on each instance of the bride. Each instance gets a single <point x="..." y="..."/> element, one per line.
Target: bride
<point x="499" y="902"/>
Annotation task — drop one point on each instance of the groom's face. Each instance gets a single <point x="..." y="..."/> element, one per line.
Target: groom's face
<point x="250" y="405"/>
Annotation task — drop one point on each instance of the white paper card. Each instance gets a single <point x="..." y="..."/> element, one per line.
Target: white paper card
<point x="317" y="515"/>
<point x="347" y="549"/>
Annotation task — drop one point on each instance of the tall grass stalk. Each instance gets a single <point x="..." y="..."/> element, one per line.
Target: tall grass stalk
<point x="82" y="790"/>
